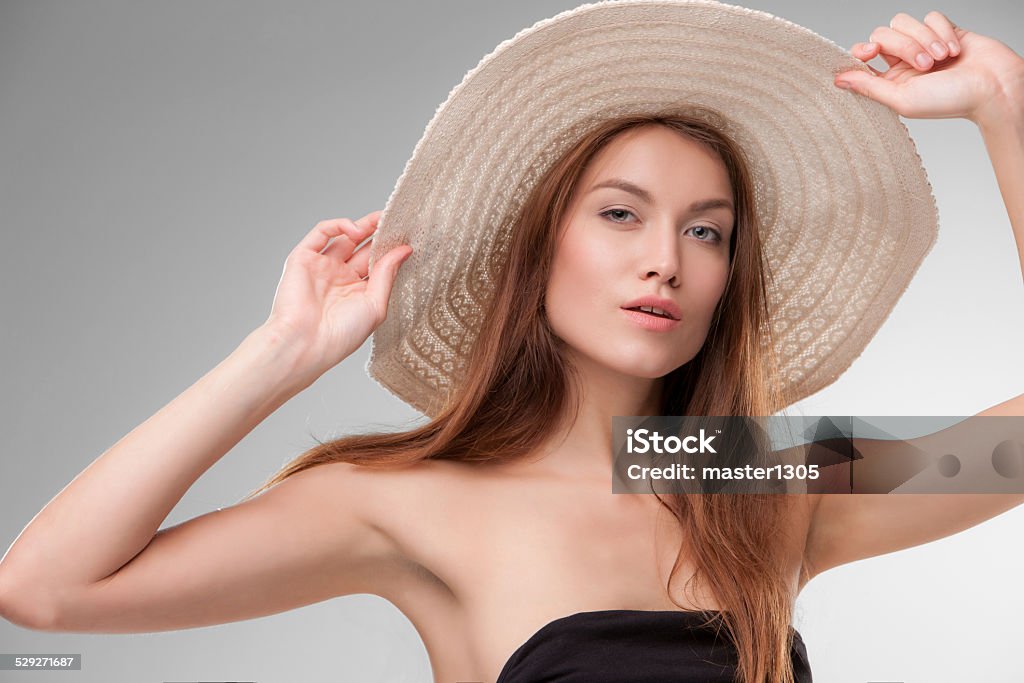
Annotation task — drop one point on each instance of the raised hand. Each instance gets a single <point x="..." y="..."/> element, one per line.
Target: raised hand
<point x="936" y="69"/>
<point x="327" y="303"/>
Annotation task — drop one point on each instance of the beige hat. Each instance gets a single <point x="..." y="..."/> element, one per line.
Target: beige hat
<point x="845" y="204"/>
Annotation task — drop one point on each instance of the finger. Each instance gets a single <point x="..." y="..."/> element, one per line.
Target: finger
<point x="360" y="260"/>
<point x="370" y="221"/>
<point x="385" y="270"/>
<point x="343" y="245"/>
<point x="945" y="29"/>
<point x="879" y="89"/>
<point x="922" y="33"/>
<point x="865" y="52"/>
<point x="367" y="225"/>
<point x="868" y="51"/>
<point x="902" y="46"/>
<point x="324" y="231"/>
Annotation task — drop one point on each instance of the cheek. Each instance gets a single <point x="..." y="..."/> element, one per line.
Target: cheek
<point x="577" y="287"/>
<point x="708" y="287"/>
<point x="579" y="270"/>
<point x="584" y="248"/>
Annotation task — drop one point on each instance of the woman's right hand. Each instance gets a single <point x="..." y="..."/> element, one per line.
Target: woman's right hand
<point x="325" y="303"/>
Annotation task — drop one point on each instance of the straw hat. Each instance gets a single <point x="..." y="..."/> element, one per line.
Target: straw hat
<point x="844" y="202"/>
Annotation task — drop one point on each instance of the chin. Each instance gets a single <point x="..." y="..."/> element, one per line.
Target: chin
<point x="655" y="373"/>
<point x="647" y="368"/>
<point x="631" y="359"/>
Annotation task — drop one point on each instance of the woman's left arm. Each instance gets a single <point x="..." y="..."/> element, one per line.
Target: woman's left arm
<point x="962" y="75"/>
<point x="1003" y="132"/>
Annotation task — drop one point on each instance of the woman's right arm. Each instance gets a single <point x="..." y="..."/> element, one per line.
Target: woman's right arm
<point x="93" y="559"/>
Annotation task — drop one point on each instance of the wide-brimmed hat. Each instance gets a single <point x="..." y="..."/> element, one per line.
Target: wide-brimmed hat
<point x="843" y="200"/>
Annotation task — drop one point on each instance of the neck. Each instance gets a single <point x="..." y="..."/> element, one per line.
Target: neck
<point x="581" y="443"/>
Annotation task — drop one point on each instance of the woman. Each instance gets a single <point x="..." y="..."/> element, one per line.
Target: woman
<point x="490" y="589"/>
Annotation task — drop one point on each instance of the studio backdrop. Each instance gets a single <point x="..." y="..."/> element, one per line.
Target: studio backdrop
<point x="158" y="161"/>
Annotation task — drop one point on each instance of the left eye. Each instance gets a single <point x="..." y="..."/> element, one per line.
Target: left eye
<point x="714" y="235"/>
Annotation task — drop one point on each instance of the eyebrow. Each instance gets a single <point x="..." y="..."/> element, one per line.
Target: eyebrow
<point x="626" y="186"/>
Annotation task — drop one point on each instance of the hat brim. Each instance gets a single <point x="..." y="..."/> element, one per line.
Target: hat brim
<point x="844" y="201"/>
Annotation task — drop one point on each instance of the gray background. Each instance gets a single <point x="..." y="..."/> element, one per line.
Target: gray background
<point x="158" y="162"/>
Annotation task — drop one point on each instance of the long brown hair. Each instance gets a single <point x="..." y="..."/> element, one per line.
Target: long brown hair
<point x="732" y="539"/>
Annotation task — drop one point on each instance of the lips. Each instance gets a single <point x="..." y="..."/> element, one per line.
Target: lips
<point x="651" y="311"/>
<point x="650" y="321"/>
<point x="655" y="306"/>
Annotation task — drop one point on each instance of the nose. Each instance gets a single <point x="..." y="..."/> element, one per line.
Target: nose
<point x="661" y="260"/>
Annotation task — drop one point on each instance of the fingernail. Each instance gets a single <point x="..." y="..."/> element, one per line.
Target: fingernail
<point x="939" y="50"/>
<point x="953" y="49"/>
<point x="843" y="84"/>
<point x="923" y="60"/>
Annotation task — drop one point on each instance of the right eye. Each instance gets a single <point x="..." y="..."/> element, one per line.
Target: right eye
<point x="608" y="214"/>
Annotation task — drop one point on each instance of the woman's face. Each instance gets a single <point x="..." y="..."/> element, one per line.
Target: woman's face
<point x="617" y="246"/>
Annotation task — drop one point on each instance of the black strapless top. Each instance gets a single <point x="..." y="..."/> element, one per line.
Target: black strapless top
<point x="640" y="646"/>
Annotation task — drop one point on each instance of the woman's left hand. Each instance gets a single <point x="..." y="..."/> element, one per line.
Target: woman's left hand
<point x="961" y="74"/>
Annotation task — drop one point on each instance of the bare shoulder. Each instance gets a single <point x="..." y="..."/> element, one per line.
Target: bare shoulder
<point x="382" y="493"/>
